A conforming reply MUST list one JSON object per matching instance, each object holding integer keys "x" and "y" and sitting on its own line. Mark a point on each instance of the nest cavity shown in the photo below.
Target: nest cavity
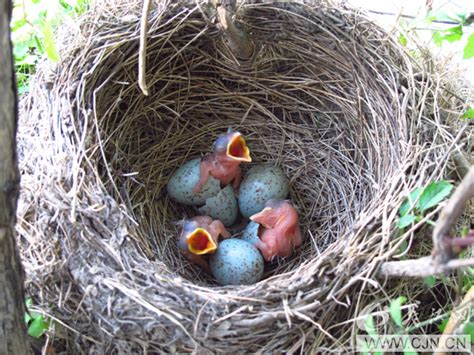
{"x": 327, "y": 95}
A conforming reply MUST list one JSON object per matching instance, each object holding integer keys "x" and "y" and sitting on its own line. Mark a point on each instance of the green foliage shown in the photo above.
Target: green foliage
{"x": 433, "y": 194}
{"x": 461, "y": 29}
{"x": 33, "y": 26}
{"x": 454, "y": 33}
{"x": 451, "y": 35}
{"x": 420, "y": 200}
{"x": 402, "y": 39}
{"x": 469, "y": 49}
{"x": 37, "y": 324}
{"x": 396, "y": 311}
{"x": 442, "y": 325}
{"x": 469, "y": 330}
{"x": 370, "y": 328}
{"x": 467, "y": 278}
{"x": 468, "y": 114}
{"x": 430, "y": 281}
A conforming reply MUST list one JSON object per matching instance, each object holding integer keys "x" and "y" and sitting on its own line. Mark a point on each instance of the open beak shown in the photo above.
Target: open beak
{"x": 237, "y": 149}
{"x": 200, "y": 242}
{"x": 262, "y": 217}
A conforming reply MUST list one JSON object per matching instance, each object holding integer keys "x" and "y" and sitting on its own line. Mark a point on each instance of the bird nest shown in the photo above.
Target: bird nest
{"x": 327, "y": 95}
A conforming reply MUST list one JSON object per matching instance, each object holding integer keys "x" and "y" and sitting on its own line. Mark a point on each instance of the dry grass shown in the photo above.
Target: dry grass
{"x": 352, "y": 119}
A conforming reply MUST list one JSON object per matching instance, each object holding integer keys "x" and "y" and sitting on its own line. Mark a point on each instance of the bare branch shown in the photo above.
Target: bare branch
{"x": 421, "y": 267}
{"x": 450, "y": 213}
{"x": 439, "y": 262}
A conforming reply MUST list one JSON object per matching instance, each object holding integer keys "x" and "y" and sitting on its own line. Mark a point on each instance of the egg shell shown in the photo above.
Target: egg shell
{"x": 180, "y": 186}
{"x": 261, "y": 183}
{"x": 236, "y": 262}
{"x": 250, "y": 233}
{"x": 222, "y": 207}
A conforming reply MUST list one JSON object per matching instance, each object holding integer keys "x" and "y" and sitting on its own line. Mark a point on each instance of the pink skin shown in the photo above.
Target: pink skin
{"x": 222, "y": 168}
{"x": 214, "y": 227}
{"x": 281, "y": 232}
{"x": 221, "y": 165}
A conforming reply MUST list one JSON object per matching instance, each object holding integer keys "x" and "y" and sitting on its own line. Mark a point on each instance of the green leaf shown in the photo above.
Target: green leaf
{"x": 370, "y": 326}
{"x": 453, "y": 34}
{"x": 28, "y": 302}
{"x": 442, "y": 325}
{"x": 437, "y": 38}
{"x": 39, "y": 45}
{"x": 406, "y": 220}
{"x": 430, "y": 281}
{"x": 20, "y": 50}
{"x": 410, "y": 201}
{"x": 17, "y": 24}
{"x": 28, "y": 61}
{"x": 49, "y": 46}
{"x": 469, "y": 330}
{"x": 27, "y": 318}
{"x": 37, "y": 327}
{"x": 395, "y": 310}
{"x": 433, "y": 194}
{"x": 468, "y": 114}
{"x": 469, "y": 49}
{"x": 464, "y": 231}
{"x": 402, "y": 39}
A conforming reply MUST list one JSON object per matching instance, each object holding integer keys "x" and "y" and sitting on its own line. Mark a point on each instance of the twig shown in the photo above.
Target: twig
{"x": 142, "y": 49}
{"x": 238, "y": 39}
{"x": 450, "y": 213}
{"x": 439, "y": 262}
{"x": 421, "y": 267}
{"x": 455, "y": 320}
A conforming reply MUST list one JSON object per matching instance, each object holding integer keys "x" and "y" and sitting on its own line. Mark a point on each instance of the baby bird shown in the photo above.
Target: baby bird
{"x": 199, "y": 236}
{"x": 281, "y": 231}
{"x": 224, "y": 163}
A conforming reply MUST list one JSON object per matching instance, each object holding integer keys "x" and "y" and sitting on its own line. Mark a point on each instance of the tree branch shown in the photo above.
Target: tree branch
{"x": 13, "y": 336}
{"x": 440, "y": 260}
{"x": 449, "y": 214}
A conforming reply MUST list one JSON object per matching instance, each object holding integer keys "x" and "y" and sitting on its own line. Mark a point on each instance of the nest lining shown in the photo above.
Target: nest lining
{"x": 328, "y": 96}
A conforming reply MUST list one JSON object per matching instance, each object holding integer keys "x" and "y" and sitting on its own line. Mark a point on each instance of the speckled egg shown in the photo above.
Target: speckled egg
{"x": 181, "y": 185}
{"x": 261, "y": 183}
{"x": 222, "y": 207}
{"x": 236, "y": 262}
{"x": 250, "y": 233}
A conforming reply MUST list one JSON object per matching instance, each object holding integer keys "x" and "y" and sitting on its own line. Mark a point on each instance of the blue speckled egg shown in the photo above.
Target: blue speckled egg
{"x": 250, "y": 233}
{"x": 261, "y": 183}
{"x": 181, "y": 185}
{"x": 236, "y": 262}
{"x": 222, "y": 207}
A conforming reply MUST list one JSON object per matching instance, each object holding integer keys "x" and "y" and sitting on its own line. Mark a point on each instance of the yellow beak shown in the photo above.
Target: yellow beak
{"x": 200, "y": 242}
{"x": 261, "y": 217}
{"x": 237, "y": 149}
